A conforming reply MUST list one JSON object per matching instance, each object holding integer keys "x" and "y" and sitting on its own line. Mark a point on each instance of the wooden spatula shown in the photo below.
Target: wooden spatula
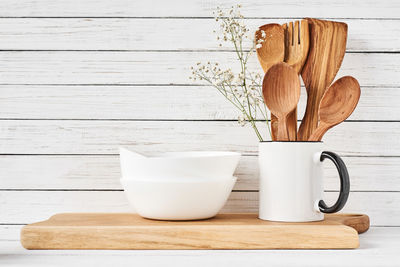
{"x": 296, "y": 49}
{"x": 327, "y": 49}
{"x": 337, "y": 104}
{"x": 281, "y": 91}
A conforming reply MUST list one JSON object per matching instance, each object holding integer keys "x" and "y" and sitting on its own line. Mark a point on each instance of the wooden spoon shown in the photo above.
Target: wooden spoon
{"x": 281, "y": 91}
{"x": 337, "y": 104}
{"x": 327, "y": 49}
{"x": 296, "y": 50}
{"x": 271, "y": 52}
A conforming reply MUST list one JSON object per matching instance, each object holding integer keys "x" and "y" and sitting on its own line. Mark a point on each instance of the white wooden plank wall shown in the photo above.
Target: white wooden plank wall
{"x": 80, "y": 78}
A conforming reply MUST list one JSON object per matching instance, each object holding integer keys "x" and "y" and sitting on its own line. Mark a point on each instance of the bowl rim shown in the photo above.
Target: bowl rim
{"x": 190, "y": 154}
{"x": 182, "y": 180}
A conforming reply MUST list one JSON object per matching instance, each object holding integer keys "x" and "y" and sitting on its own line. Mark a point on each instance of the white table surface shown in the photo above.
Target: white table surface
{"x": 380, "y": 246}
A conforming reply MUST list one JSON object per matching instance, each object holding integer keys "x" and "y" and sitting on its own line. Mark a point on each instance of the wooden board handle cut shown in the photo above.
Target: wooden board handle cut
{"x": 360, "y": 222}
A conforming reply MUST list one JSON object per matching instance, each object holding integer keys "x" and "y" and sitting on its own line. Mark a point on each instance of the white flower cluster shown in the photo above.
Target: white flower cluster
{"x": 232, "y": 27}
{"x": 243, "y": 90}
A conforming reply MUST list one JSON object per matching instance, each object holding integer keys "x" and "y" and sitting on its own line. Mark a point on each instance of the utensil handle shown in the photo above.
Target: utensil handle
{"x": 274, "y": 127}
{"x": 308, "y": 123}
{"x": 319, "y": 132}
{"x": 282, "y": 133}
{"x": 344, "y": 183}
{"x": 291, "y": 124}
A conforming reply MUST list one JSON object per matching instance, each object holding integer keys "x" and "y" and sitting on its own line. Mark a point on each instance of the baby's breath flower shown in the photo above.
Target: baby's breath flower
{"x": 242, "y": 120}
{"x": 243, "y": 89}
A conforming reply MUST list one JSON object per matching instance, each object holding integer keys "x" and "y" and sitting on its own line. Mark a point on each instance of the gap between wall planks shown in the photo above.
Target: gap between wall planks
{"x": 116, "y": 102}
{"x": 373, "y": 55}
{"x": 104, "y": 137}
{"x": 196, "y": 8}
{"x": 139, "y": 68}
{"x": 102, "y": 173}
{"x": 132, "y": 34}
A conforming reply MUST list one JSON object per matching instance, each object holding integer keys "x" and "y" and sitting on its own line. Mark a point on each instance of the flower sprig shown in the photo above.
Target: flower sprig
{"x": 243, "y": 89}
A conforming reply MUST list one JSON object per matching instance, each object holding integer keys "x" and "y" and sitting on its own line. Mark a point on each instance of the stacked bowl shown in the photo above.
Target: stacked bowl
{"x": 178, "y": 185}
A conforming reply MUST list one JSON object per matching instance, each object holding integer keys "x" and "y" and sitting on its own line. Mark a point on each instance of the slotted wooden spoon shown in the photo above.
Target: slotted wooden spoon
{"x": 281, "y": 91}
{"x": 296, "y": 49}
{"x": 337, "y": 104}
{"x": 327, "y": 49}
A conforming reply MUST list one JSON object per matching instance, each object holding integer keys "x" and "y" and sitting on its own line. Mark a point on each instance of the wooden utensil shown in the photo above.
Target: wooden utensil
{"x": 327, "y": 49}
{"x": 272, "y": 50}
{"x": 281, "y": 91}
{"x": 337, "y": 104}
{"x": 296, "y": 50}
{"x": 225, "y": 231}
{"x": 297, "y": 42}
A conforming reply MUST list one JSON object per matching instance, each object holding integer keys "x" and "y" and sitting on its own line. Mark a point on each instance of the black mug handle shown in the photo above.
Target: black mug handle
{"x": 344, "y": 183}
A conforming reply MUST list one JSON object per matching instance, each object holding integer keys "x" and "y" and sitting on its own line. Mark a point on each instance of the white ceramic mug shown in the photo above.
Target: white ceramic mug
{"x": 291, "y": 185}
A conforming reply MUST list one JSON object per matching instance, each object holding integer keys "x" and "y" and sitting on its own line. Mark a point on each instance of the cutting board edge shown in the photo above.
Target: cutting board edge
{"x": 266, "y": 237}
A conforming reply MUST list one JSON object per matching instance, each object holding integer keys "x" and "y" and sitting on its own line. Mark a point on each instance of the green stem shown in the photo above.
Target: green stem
{"x": 223, "y": 88}
{"x": 249, "y": 118}
{"x": 225, "y": 95}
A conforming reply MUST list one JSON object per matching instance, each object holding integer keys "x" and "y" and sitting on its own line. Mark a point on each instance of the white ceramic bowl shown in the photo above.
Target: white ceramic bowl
{"x": 178, "y": 199}
{"x": 202, "y": 164}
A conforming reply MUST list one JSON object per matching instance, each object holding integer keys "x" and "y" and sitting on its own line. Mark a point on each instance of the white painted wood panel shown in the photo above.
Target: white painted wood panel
{"x": 104, "y": 137}
{"x": 103, "y": 173}
{"x": 167, "y": 102}
{"x": 9, "y": 233}
{"x": 60, "y": 67}
{"x": 378, "y": 247}
{"x": 116, "y": 102}
{"x": 144, "y": 34}
{"x": 199, "y": 8}
{"x": 31, "y": 206}
{"x": 155, "y": 43}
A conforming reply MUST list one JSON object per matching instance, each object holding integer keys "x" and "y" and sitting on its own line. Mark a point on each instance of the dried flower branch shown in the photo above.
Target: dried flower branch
{"x": 243, "y": 90}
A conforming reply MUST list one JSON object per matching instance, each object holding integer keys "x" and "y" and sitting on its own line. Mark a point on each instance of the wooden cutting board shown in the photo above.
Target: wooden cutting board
{"x": 225, "y": 231}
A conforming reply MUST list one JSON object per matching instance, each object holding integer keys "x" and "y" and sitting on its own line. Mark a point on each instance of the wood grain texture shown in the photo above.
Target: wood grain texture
{"x": 132, "y": 34}
{"x": 94, "y": 68}
{"x": 297, "y": 41}
{"x": 272, "y": 50}
{"x": 196, "y": 8}
{"x": 104, "y": 137}
{"x": 167, "y": 102}
{"x": 327, "y": 49}
{"x": 281, "y": 92}
{"x": 30, "y": 206}
{"x": 103, "y": 173}
{"x": 378, "y": 247}
{"x": 337, "y": 104}
{"x": 225, "y": 231}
